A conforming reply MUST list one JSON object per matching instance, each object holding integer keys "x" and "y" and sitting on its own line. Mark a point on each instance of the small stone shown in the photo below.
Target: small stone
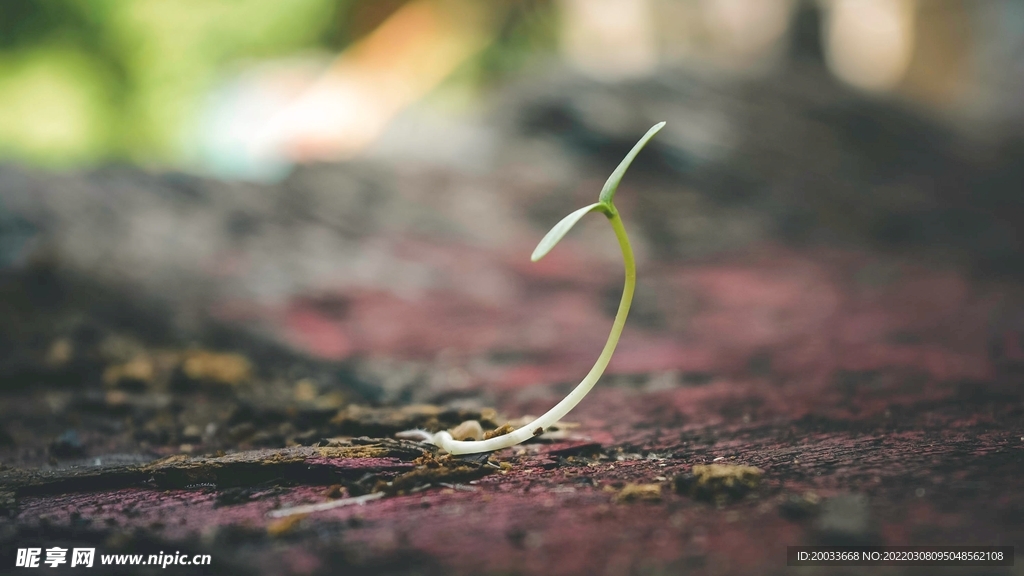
{"x": 468, "y": 430}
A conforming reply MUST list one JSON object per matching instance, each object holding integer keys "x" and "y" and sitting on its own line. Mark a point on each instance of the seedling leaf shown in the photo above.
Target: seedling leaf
{"x": 444, "y": 438}
{"x": 613, "y": 181}
{"x": 560, "y": 229}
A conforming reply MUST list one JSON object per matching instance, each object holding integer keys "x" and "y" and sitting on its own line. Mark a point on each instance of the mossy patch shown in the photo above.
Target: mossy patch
{"x": 718, "y": 483}
{"x": 639, "y": 492}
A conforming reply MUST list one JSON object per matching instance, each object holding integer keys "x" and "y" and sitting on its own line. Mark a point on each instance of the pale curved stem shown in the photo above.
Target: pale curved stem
{"x": 445, "y": 441}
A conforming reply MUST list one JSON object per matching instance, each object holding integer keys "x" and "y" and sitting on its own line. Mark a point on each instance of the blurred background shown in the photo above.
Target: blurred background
{"x": 231, "y": 88}
{"x": 357, "y": 184}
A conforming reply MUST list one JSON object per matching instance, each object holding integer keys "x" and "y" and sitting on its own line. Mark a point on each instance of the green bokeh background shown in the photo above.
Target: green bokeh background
{"x": 83, "y": 82}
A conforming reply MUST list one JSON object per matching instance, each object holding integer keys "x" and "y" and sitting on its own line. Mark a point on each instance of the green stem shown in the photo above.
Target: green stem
{"x": 445, "y": 441}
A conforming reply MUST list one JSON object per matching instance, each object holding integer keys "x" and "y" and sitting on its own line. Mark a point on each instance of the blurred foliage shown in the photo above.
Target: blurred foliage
{"x": 124, "y": 79}
{"x": 118, "y": 78}
{"x": 524, "y": 29}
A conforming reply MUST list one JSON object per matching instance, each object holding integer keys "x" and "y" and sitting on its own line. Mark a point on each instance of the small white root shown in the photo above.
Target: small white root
{"x": 416, "y": 435}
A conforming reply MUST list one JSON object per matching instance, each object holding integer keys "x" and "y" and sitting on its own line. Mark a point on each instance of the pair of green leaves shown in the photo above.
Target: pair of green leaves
{"x": 604, "y": 203}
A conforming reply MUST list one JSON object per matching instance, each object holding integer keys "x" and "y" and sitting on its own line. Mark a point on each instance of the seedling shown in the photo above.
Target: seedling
{"x": 604, "y": 205}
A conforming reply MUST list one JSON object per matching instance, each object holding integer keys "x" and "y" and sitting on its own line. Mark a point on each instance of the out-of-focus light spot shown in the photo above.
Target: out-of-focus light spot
{"x": 869, "y": 43}
{"x": 235, "y": 113}
{"x": 346, "y": 109}
{"x": 746, "y": 30}
{"x": 258, "y": 125}
{"x": 51, "y": 107}
{"x": 609, "y": 39}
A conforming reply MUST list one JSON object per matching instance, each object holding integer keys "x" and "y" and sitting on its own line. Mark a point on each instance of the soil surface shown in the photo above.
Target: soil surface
{"x": 184, "y": 361}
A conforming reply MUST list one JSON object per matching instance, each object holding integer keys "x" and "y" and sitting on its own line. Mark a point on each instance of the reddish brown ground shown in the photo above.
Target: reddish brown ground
{"x": 180, "y": 356}
{"x": 880, "y": 398}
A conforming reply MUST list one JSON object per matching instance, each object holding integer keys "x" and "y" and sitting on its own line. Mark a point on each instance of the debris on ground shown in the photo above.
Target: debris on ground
{"x": 639, "y": 492}
{"x": 719, "y": 483}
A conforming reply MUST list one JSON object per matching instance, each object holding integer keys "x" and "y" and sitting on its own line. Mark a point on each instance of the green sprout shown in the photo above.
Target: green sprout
{"x": 604, "y": 205}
